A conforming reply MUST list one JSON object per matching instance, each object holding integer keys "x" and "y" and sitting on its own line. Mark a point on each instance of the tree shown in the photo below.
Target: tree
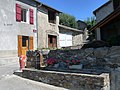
{"x": 68, "y": 20}
{"x": 91, "y": 21}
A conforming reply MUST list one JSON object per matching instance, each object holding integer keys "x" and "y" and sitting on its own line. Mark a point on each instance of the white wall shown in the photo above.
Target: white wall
{"x": 10, "y": 28}
{"x": 65, "y": 39}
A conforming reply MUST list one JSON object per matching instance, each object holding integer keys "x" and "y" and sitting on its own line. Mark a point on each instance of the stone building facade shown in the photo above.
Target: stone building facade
{"x": 48, "y": 31}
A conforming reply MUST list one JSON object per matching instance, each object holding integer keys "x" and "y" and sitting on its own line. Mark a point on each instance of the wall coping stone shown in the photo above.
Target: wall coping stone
{"x": 81, "y": 74}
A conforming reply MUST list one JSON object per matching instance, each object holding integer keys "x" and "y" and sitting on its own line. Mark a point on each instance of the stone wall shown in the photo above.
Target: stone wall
{"x": 72, "y": 81}
{"x": 103, "y": 58}
{"x": 97, "y": 60}
{"x": 107, "y": 56}
{"x": 77, "y": 39}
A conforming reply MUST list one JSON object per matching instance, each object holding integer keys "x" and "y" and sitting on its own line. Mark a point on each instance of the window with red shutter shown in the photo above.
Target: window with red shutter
{"x": 18, "y": 12}
{"x": 31, "y": 16}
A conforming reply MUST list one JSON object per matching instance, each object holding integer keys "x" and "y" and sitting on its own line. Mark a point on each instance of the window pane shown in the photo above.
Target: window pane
{"x": 23, "y": 14}
{"x": 24, "y": 41}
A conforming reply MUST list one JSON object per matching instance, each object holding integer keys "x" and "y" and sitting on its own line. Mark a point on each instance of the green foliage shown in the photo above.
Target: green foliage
{"x": 90, "y": 21}
{"x": 68, "y": 20}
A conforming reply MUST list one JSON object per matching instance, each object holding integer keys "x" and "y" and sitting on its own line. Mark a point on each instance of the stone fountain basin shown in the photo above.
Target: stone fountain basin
{"x": 74, "y": 80}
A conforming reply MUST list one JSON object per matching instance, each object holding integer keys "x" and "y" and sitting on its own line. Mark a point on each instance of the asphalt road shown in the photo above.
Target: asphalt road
{"x": 8, "y": 81}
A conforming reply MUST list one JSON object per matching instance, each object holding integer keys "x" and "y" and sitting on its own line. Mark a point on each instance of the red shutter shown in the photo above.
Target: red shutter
{"x": 31, "y": 17}
{"x": 18, "y": 12}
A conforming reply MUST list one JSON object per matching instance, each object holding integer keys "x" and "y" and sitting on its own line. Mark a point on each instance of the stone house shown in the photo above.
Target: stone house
{"x": 48, "y": 31}
{"x": 108, "y": 20}
{"x": 18, "y": 23}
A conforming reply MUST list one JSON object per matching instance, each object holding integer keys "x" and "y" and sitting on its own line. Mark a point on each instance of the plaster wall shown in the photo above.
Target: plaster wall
{"x": 45, "y": 28}
{"x": 10, "y": 28}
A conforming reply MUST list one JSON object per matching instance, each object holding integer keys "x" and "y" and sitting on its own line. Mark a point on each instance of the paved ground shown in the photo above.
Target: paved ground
{"x": 16, "y": 83}
{"x": 8, "y": 69}
{"x": 8, "y": 81}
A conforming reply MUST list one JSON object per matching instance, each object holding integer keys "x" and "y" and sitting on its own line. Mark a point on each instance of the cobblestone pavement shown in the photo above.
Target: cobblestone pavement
{"x": 8, "y": 81}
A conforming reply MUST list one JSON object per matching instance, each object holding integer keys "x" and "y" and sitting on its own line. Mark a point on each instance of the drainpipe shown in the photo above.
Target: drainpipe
{"x": 38, "y": 6}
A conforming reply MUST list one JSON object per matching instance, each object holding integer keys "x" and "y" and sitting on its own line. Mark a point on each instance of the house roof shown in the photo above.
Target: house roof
{"x": 106, "y": 20}
{"x": 69, "y": 28}
{"x": 94, "y": 12}
{"x": 41, "y": 4}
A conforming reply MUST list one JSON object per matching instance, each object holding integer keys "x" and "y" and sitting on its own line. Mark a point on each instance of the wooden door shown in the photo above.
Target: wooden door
{"x": 25, "y": 43}
{"x": 52, "y": 41}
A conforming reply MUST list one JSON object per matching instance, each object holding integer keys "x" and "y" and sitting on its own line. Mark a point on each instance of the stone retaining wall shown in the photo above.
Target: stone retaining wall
{"x": 72, "y": 81}
{"x": 105, "y": 58}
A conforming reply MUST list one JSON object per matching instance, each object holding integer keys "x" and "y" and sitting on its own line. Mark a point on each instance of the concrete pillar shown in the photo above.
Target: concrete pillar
{"x": 98, "y": 34}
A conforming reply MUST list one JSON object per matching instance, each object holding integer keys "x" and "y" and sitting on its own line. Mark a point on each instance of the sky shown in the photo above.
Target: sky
{"x": 81, "y": 9}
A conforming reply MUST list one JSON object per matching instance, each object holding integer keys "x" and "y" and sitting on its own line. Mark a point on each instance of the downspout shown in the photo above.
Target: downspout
{"x": 38, "y": 6}
{"x": 37, "y": 25}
